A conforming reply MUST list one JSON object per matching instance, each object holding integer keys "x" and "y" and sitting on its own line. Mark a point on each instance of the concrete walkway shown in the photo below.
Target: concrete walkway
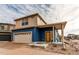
{"x": 10, "y": 48}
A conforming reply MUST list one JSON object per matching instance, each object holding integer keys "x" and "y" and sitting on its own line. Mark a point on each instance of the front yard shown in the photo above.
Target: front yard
{"x": 10, "y": 48}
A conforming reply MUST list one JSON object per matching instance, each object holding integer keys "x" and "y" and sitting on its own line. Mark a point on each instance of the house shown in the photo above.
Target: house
{"x": 73, "y": 36}
{"x": 5, "y": 31}
{"x": 33, "y": 28}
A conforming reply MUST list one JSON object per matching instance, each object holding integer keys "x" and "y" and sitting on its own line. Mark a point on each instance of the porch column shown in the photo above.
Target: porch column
{"x": 53, "y": 33}
{"x": 62, "y": 35}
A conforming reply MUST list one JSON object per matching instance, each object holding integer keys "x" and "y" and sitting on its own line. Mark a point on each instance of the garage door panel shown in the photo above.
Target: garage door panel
{"x": 5, "y": 37}
{"x": 23, "y": 37}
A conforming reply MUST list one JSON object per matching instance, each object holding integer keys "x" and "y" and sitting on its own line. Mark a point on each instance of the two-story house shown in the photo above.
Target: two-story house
{"x": 33, "y": 28}
{"x": 5, "y": 31}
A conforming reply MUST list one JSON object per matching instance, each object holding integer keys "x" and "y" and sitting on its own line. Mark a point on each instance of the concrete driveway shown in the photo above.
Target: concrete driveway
{"x": 10, "y": 48}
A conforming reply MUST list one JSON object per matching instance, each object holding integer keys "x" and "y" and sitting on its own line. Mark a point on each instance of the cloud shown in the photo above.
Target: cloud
{"x": 50, "y": 12}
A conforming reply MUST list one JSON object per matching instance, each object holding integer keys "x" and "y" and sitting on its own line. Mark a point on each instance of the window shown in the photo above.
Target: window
{"x": 2, "y": 27}
{"x": 24, "y": 22}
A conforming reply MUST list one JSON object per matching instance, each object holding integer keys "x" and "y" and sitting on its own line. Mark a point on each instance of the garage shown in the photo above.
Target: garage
{"x": 23, "y": 37}
{"x": 5, "y": 36}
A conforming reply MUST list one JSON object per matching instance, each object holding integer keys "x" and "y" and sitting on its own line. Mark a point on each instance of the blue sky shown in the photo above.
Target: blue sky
{"x": 50, "y": 13}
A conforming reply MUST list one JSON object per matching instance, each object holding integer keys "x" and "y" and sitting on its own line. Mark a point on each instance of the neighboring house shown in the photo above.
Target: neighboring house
{"x": 5, "y": 31}
{"x": 73, "y": 36}
{"x": 33, "y": 28}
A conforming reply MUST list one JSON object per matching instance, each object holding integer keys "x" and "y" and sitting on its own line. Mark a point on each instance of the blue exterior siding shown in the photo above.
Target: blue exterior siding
{"x": 22, "y": 30}
{"x": 33, "y": 30}
{"x": 35, "y": 35}
{"x": 42, "y": 33}
{"x": 38, "y": 34}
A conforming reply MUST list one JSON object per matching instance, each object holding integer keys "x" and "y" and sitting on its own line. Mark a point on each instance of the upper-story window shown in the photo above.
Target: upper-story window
{"x": 2, "y": 27}
{"x": 24, "y": 22}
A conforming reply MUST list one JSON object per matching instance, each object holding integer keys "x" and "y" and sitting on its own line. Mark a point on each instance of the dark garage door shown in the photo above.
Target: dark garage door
{"x": 5, "y": 37}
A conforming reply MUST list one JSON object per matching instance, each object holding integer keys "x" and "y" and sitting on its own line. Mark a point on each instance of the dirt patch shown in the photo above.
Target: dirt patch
{"x": 10, "y": 48}
{"x": 71, "y": 49}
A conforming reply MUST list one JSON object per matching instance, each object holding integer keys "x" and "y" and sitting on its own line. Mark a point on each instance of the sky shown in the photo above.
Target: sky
{"x": 51, "y": 13}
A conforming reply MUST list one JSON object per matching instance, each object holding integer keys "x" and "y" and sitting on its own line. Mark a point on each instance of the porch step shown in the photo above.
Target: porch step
{"x": 39, "y": 44}
{"x": 58, "y": 43}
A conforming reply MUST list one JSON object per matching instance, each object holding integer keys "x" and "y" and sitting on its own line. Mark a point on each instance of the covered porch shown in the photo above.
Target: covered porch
{"x": 49, "y": 33}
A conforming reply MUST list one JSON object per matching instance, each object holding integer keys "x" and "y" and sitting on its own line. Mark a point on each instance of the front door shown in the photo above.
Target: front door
{"x": 48, "y": 36}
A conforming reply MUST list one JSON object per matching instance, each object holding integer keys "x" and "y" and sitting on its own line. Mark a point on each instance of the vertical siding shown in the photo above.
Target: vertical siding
{"x": 35, "y": 35}
{"x": 42, "y": 33}
{"x": 38, "y": 34}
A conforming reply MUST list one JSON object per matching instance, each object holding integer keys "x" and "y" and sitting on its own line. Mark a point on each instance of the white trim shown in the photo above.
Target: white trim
{"x": 39, "y": 44}
{"x": 57, "y": 42}
{"x": 21, "y": 32}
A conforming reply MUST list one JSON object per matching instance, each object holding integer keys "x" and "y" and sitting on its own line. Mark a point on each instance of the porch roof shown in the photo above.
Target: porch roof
{"x": 56, "y": 25}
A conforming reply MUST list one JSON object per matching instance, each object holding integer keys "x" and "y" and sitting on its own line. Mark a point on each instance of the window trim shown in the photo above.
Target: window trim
{"x": 24, "y": 22}
{"x": 2, "y": 28}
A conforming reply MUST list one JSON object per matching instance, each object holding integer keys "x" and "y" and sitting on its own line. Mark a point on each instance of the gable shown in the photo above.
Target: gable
{"x": 33, "y": 20}
{"x": 40, "y": 20}
{"x": 36, "y": 14}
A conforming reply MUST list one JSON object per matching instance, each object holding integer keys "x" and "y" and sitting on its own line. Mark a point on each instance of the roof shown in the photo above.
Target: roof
{"x": 30, "y": 16}
{"x": 56, "y": 25}
{"x": 7, "y": 24}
